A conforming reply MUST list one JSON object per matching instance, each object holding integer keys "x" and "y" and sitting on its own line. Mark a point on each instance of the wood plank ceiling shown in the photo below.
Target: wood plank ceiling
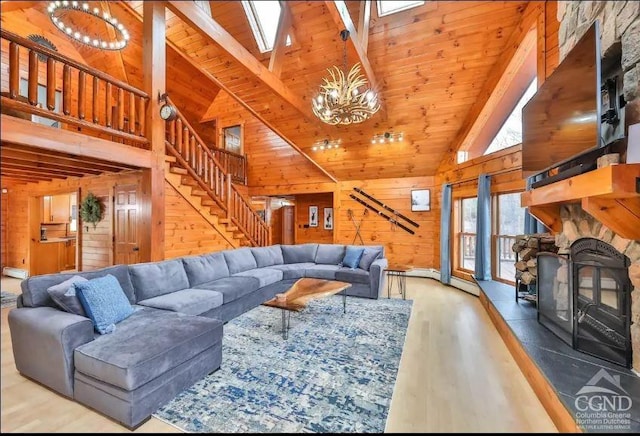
{"x": 430, "y": 63}
{"x": 20, "y": 164}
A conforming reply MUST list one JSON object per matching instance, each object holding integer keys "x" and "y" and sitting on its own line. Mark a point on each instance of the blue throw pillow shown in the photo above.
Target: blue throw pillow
{"x": 352, "y": 257}
{"x": 104, "y": 301}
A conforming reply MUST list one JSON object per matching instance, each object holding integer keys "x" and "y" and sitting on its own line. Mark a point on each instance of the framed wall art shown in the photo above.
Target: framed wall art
{"x": 313, "y": 216}
{"x": 420, "y": 200}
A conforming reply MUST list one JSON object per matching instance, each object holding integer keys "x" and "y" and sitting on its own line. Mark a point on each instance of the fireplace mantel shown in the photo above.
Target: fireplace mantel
{"x": 609, "y": 194}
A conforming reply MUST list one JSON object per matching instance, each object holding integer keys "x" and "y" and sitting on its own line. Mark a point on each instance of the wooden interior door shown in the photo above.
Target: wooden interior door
{"x": 288, "y": 225}
{"x": 125, "y": 222}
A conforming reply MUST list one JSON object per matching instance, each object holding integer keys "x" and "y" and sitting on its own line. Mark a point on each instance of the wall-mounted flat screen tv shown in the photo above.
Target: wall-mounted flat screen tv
{"x": 562, "y": 119}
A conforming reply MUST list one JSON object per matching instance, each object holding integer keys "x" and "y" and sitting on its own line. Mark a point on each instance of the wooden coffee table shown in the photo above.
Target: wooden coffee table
{"x": 302, "y": 292}
{"x": 400, "y": 274}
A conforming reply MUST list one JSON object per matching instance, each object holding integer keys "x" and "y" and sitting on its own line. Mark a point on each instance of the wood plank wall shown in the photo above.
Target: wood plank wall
{"x": 4, "y": 203}
{"x": 551, "y": 36}
{"x": 96, "y": 243}
{"x": 271, "y": 160}
{"x": 312, "y": 234}
{"x": 186, "y": 231}
{"x": 400, "y": 247}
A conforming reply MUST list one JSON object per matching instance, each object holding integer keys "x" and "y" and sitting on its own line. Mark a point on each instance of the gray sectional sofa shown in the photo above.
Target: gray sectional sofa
{"x": 174, "y": 337}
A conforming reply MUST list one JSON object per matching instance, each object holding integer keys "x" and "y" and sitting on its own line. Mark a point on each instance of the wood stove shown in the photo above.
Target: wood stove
{"x": 585, "y": 299}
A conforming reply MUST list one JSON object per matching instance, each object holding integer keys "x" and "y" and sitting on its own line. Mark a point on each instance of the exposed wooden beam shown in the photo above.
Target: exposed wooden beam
{"x": 29, "y": 154}
{"x": 340, "y": 14}
{"x": 27, "y": 175}
{"x": 224, "y": 88}
{"x": 37, "y": 172}
{"x": 363, "y": 23}
{"x": 23, "y": 132}
{"x": 154, "y": 61}
{"x": 279, "y": 46}
{"x": 9, "y": 163}
{"x": 211, "y": 30}
{"x": 112, "y": 34}
{"x": 521, "y": 41}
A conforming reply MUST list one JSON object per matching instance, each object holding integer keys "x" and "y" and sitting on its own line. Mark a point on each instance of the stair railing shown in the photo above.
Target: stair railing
{"x": 196, "y": 158}
{"x": 63, "y": 90}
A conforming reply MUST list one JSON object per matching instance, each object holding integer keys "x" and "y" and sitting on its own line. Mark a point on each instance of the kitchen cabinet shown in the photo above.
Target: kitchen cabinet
{"x": 53, "y": 256}
{"x": 56, "y": 208}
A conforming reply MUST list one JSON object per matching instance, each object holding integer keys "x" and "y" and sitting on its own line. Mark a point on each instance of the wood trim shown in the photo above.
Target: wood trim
{"x": 364, "y": 19}
{"x": 22, "y": 132}
{"x": 340, "y": 14}
{"x": 279, "y": 46}
{"x": 210, "y": 29}
{"x": 303, "y": 188}
{"x": 558, "y": 413}
{"x": 541, "y": 46}
{"x": 520, "y": 42}
{"x": 549, "y": 215}
{"x": 19, "y": 106}
{"x": 614, "y": 181}
{"x": 154, "y": 59}
{"x": 620, "y": 218}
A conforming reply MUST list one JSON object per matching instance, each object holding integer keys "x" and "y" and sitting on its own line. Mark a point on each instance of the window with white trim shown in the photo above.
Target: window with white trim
{"x": 391, "y": 7}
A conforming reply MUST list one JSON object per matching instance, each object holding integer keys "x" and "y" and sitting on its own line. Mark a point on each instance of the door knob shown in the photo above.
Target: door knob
{"x": 136, "y": 248}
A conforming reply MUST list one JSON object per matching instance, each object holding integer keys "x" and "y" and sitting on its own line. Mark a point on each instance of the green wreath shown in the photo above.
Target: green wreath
{"x": 91, "y": 210}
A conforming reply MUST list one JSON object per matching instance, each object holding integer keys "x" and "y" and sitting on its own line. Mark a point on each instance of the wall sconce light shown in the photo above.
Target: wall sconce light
{"x": 387, "y": 137}
{"x": 326, "y": 144}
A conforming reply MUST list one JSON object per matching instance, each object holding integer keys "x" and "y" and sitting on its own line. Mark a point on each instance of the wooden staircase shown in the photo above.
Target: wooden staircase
{"x": 205, "y": 184}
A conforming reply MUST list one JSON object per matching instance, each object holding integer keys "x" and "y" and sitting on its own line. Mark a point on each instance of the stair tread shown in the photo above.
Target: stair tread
{"x": 178, "y": 170}
{"x": 168, "y": 158}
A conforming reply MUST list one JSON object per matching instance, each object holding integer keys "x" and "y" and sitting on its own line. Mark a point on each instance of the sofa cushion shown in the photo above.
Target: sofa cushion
{"x": 145, "y": 346}
{"x": 293, "y": 270}
{"x": 329, "y": 254}
{"x": 265, "y": 276}
{"x": 352, "y": 256}
{"x": 64, "y": 295}
{"x": 187, "y": 301}
{"x": 327, "y": 272}
{"x": 104, "y": 302}
{"x": 299, "y": 253}
{"x": 232, "y": 288}
{"x": 240, "y": 259}
{"x": 158, "y": 278}
{"x": 352, "y": 275}
{"x": 267, "y": 256}
{"x": 34, "y": 289}
{"x": 205, "y": 268}
{"x": 371, "y": 253}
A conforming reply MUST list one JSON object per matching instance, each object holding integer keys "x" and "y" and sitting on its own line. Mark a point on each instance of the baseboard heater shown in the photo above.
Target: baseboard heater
{"x": 18, "y": 273}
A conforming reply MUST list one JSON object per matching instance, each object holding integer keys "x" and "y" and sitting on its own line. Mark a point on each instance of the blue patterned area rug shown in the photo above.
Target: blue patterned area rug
{"x": 7, "y": 299}
{"x": 335, "y": 373}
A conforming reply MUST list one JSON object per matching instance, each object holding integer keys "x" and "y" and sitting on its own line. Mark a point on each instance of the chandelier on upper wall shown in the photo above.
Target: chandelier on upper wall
{"x": 57, "y": 13}
{"x": 345, "y": 99}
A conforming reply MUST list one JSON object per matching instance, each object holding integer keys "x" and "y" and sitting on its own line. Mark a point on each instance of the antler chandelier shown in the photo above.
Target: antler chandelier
{"x": 345, "y": 99}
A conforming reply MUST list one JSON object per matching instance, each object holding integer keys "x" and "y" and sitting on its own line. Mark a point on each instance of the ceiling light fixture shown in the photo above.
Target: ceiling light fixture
{"x": 326, "y": 145}
{"x": 387, "y": 138}
{"x": 345, "y": 99}
{"x": 56, "y": 7}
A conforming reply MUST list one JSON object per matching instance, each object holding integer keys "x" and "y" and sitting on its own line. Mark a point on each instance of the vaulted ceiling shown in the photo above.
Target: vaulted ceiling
{"x": 430, "y": 64}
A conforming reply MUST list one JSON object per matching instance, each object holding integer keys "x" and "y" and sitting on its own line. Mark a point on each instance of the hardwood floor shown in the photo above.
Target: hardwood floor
{"x": 456, "y": 375}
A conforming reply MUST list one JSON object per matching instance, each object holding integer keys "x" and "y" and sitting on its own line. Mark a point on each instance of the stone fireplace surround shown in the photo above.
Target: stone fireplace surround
{"x": 576, "y": 224}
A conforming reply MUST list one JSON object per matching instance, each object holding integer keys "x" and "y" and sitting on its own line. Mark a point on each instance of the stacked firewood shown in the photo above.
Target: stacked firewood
{"x": 527, "y": 247}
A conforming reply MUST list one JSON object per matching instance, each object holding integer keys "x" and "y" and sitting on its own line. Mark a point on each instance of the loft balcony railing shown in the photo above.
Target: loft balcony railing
{"x": 201, "y": 164}
{"x": 46, "y": 84}
{"x": 233, "y": 163}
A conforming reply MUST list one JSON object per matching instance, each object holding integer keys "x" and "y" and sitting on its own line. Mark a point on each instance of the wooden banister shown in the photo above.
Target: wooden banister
{"x": 108, "y": 118}
{"x": 201, "y": 163}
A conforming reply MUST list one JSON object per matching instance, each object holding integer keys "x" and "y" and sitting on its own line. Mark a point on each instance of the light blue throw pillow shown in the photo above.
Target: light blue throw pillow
{"x": 104, "y": 301}
{"x": 352, "y": 257}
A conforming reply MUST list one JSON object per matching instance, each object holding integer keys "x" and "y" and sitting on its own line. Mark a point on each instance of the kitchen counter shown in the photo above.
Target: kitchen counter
{"x": 52, "y": 240}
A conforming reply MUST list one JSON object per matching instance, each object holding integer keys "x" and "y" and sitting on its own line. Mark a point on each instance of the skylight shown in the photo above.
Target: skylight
{"x": 393, "y": 6}
{"x": 264, "y": 17}
{"x": 511, "y": 131}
